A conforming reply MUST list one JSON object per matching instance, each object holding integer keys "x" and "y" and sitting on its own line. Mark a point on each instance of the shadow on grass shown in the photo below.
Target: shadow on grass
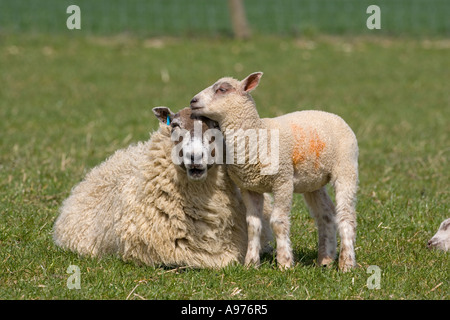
{"x": 304, "y": 257}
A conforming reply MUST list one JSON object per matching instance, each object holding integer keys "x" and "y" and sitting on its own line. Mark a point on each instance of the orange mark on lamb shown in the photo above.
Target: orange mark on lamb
{"x": 306, "y": 147}
{"x": 316, "y": 147}
{"x": 298, "y": 154}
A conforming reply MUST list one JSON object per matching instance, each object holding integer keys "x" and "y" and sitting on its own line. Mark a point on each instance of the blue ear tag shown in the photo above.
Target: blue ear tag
{"x": 168, "y": 121}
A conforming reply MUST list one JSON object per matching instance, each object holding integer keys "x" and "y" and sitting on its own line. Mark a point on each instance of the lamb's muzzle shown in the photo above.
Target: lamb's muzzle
{"x": 193, "y": 101}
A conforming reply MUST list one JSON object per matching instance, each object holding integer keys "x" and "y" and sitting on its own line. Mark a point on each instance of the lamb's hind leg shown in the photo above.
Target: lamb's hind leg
{"x": 254, "y": 203}
{"x": 345, "y": 188}
{"x": 323, "y": 211}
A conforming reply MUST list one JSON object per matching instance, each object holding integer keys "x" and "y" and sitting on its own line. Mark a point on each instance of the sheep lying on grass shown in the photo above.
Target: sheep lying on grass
{"x": 441, "y": 240}
{"x": 141, "y": 206}
{"x": 314, "y": 148}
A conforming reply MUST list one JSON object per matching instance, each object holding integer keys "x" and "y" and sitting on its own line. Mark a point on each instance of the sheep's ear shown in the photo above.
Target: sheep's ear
{"x": 163, "y": 114}
{"x": 251, "y": 82}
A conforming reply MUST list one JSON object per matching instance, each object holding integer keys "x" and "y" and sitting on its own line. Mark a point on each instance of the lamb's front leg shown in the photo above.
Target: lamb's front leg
{"x": 254, "y": 203}
{"x": 280, "y": 223}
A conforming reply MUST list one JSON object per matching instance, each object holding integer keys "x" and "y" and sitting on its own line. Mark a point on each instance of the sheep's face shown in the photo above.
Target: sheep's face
{"x": 216, "y": 102}
{"x": 441, "y": 240}
{"x": 193, "y": 147}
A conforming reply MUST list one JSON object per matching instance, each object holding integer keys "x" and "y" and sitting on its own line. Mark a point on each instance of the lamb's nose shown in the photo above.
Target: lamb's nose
{"x": 194, "y": 100}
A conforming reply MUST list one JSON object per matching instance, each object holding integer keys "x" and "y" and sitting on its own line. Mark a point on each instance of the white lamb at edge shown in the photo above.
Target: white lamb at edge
{"x": 441, "y": 240}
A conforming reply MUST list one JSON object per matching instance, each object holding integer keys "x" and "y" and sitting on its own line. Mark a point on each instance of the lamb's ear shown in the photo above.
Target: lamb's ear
{"x": 251, "y": 82}
{"x": 163, "y": 114}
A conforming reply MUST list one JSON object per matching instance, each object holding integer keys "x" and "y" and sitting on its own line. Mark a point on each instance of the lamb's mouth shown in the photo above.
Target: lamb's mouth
{"x": 195, "y": 108}
{"x": 196, "y": 173}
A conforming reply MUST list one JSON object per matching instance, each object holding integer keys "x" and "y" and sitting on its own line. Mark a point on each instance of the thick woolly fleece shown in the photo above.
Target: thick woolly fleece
{"x": 140, "y": 206}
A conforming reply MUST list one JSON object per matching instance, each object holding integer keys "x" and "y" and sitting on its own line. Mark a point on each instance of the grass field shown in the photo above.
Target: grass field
{"x": 68, "y": 102}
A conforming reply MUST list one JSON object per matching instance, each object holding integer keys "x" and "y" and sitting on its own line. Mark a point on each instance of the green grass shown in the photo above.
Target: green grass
{"x": 68, "y": 102}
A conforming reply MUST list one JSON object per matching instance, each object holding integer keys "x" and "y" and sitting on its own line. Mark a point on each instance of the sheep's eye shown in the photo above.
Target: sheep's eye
{"x": 222, "y": 90}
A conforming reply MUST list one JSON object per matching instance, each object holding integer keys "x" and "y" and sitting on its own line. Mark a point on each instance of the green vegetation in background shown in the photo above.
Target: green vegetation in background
{"x": 211, "y": 17}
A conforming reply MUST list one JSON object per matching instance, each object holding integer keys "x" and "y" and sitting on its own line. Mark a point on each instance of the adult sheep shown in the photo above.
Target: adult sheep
{"x": 313, "y": 148}
{"x": 141, "y": 206}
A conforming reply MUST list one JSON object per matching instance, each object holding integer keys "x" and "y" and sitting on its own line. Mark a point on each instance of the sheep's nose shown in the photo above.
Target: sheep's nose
{"x": 430, "y": 244}
{"x": 194, "y": 157}
{"x": 194, "y": 100}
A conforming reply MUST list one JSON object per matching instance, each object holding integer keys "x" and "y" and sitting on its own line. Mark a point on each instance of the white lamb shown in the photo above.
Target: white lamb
{"x": 441, "y": 240}
{"x": 141, "y": 206}
{"x": 314, "y": 148}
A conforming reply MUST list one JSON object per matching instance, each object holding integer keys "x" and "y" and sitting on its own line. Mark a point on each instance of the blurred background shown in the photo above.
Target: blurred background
{"x": 212, "y": 17}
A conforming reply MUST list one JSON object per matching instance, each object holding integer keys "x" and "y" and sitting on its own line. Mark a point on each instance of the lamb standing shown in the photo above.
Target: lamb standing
{"x": 314, "y": 148}
{"x": 141, "y": 206}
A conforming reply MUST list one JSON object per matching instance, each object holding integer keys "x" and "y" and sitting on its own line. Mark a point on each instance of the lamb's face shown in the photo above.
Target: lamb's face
{"x": 189, "y": 132}
{"x": 216, "y": 101}
{"x": 441, "y": 240}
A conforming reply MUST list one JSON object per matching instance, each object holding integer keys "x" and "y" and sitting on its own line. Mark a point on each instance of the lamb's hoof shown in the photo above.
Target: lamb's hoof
{"x": 285, "y": 262}
{"x": 251, "y": 262}
{"x": 346, "y": 266}
{"x": 325, "y": 262}
{"x": 284, "y": 267}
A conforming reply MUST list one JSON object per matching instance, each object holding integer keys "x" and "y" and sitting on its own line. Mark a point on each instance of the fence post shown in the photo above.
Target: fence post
{"x": 238, "y": 19}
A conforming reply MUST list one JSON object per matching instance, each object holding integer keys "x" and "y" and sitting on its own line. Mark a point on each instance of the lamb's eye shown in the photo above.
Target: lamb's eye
{"x": 221, "y": 90}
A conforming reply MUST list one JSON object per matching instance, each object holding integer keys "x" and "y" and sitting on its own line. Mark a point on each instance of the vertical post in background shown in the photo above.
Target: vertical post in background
{"x": 238, "y": 19}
